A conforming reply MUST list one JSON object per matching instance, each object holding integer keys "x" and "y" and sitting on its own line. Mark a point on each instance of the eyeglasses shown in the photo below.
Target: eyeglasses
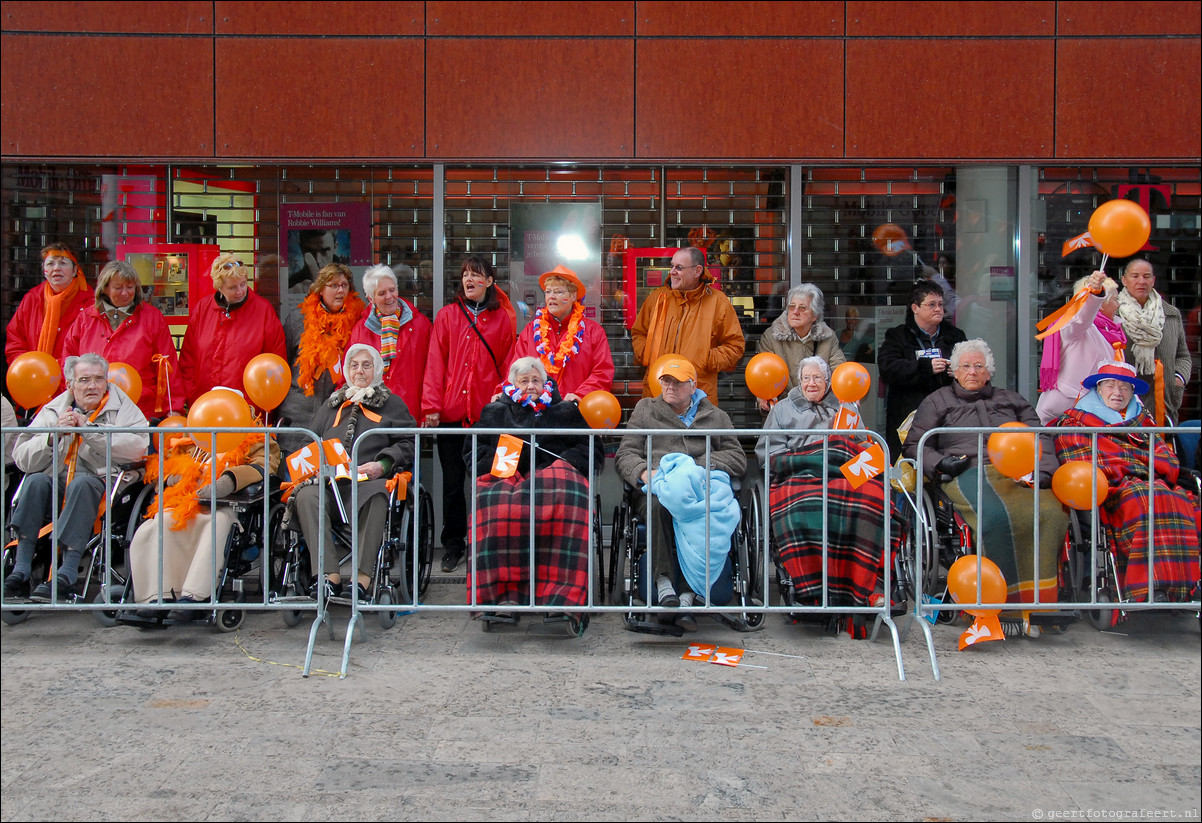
{"x": 88, "y": 379}
{"x": 931, "y": 306}
{"x": 813, "y": 378}
{"x": 232, "y": 264}
{"x": 338, "y": 286}
{"x": 676, "y": 267}
{"x": 557, "y": 292}
{"x": 798, "y": 309}
{"x": 972, "y": 367}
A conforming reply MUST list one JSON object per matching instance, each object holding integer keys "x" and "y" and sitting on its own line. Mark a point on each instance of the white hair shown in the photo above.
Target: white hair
{"x": 815, "y": 360}
{"x": 87, "y": 357}
{"x": 975, "y": 345}
{"x": 525, "y": 365}
{"x": 373, "y": 276}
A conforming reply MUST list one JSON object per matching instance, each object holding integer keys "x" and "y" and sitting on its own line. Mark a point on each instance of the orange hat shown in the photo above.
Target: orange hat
{"x": 563, "y": 272}
{"x": 677, "y": 368}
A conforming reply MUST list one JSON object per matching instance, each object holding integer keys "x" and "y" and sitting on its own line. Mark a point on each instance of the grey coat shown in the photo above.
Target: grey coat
{"x": 791, "y": 419}
{"x": 654, "y": 413}
{"x": 780, "y": 338}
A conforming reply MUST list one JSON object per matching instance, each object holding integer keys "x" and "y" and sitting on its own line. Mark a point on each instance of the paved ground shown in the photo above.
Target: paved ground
{"x": 438, "y": 720}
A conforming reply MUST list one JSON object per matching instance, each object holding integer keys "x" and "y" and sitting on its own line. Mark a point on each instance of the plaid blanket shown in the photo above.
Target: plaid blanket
{"x": 1005, "y": 531}
{"x": 1176, "y": 520}
{"x": 854, "y": 520}
{"x": 502, "y": 530}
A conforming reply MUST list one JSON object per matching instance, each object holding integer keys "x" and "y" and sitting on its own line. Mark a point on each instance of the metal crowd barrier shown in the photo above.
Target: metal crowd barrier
{"x": 927, "y": 610}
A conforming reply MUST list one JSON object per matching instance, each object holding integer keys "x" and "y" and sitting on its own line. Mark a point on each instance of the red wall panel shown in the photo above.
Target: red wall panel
{"x": 143, "y": 96}
{"x": 183, "y": 17}
{"x": 530, "y": 19}
{"x": 740, "y": 98}
{"x": 1128, "y": 98}
{"x": 351, "y": 17}
{"x": 822, "y": 18}
{"x": 1127, "y": 19}
{"x": 950, "y": 19}
{"x": 950, "y": 99}
{"x": 530, "y": 98}
{"x": 319, "y": 98}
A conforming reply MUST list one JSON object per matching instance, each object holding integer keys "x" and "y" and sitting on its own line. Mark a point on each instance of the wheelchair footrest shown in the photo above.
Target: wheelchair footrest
{"x": 653, "y": 626}
{"x": 129, "y": 618}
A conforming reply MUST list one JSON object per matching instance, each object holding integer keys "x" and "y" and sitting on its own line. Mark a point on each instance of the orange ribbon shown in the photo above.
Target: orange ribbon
{"x": 1158, "y": 389}
{"x": 1061, "y": 317}
{"x": 399, "y": 483}
{"x": 163, "y": 388}
{"x": 368, "y": 413}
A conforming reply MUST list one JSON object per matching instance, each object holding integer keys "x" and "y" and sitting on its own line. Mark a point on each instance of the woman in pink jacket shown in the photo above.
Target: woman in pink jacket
{"x": 123, "y": 328}
{"x": 1071, "y": 355}
{"x": 472, "y": 337}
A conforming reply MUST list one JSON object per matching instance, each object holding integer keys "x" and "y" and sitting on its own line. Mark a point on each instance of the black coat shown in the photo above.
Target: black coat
{"x": 393, "y": 413}
{"x": 908, "y": 377}
{"x": 518, "y": 419}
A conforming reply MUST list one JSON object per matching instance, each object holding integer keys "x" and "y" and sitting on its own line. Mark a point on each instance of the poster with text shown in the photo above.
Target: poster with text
{"x": 317, "y": 234}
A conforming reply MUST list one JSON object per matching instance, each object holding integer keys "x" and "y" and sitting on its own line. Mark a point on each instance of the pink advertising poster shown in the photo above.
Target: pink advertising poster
{"x": 316, "y": 234}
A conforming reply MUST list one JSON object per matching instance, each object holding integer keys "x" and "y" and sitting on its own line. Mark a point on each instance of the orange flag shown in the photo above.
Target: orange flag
{"x": 864, "y": 466}
{"x": 1081, "y": 241}
{"x": 505, "y": 462}
{"x": 985, "y": 627}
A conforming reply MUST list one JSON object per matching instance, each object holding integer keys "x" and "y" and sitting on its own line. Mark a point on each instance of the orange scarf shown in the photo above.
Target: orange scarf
{"x": 323, "y": 339}
{"x": 73, "y": 449}
{"x": 54, "y": 310}
{"x": 180, "y": 497}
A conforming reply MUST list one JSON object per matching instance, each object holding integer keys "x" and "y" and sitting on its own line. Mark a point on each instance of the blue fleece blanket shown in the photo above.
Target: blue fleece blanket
{"x": 680, "y": 486}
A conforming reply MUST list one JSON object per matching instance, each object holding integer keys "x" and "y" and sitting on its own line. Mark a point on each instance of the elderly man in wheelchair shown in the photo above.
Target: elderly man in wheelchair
{"x": 82, "y": 412}
{"x": 689, "y": 474}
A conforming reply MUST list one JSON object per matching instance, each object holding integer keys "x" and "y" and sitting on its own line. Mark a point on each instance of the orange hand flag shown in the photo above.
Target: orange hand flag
{"x": 509, "y": 450}
{"x": 848, "y": 417}
{"x": 864, "y": 466}
{"x": 985, "y": 627}
{"x": 1081, "y": 241}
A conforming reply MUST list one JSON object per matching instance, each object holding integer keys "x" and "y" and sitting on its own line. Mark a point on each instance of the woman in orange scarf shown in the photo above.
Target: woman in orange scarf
{"x": 48, "y": 310}
{"x": 316, "y": 334}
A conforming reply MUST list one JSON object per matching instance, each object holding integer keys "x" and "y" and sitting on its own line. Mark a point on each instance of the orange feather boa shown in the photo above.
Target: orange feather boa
{"x": 180, "y": 497}
{"x": 324, "y": 338}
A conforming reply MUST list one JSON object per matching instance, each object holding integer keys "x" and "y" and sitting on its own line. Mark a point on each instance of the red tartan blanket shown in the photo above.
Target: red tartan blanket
{"x": 854, "y": 520}
{"x": 1123, "y": 457}
{"x": 502, "y": 530}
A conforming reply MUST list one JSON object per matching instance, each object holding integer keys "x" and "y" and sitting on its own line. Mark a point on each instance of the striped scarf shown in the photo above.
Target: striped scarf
{"x": 390, "y": 327}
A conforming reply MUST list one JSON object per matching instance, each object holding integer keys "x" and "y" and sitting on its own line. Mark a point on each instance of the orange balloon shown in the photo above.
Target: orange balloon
{"x": 174, "y": 421}
{"x": 962, "y": 582}
{"x": 850, "y": 382}
{"x": 890, "y": 239}
{"x": 219, "y": 407}
{"x": 1073, "y": 485}
{"x": 126, "y": 378}
{"x": 767, "y": 375}
{"x": 654, "y": 371}
{"x": 601, "y": 410}
{"x": 1120, "y": 227}
{"x": 1011, "y": 453}
{"x": 267, "y": 379}
{"x": 33, "y": 379}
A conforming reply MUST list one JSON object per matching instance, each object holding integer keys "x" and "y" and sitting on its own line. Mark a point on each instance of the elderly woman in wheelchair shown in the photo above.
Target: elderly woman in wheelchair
{"x": 799, "y": 465}
{"x": 1112, "y": 399}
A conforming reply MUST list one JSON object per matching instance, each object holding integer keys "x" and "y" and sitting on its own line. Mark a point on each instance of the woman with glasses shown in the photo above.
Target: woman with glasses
{"x": 1004, "y": 528}
{"x": 398, "y": 331}
{"x": 124, "y": 328}
{"x": 227, "y": 330}
{"x": 574, "y": 351}
{"x": 914, "y": 358}
{"x": 851, "y": 517}
{"x": 48, "y": 309}
{"x": 800, "y": 333}
{"x": 472, "y": 338}
{"x": 317, "y": 333}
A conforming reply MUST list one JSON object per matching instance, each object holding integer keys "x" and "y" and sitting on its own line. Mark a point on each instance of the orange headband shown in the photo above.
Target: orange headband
{"x": 60, "y": 253}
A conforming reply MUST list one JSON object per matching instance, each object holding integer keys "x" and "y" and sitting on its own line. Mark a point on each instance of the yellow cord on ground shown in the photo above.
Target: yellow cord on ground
{"x": 238, "y": 640}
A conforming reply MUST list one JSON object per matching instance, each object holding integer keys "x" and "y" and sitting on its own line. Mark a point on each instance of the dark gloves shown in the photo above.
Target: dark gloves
{"x": 953, "y": 466}
{"x": 225, "y": 487}
{"x": 1045, "y": 480}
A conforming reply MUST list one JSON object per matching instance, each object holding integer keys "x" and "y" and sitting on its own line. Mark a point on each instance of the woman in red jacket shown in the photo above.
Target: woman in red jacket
{"x": 123, "y": 328}
{"x": 398, "y": 331}
{"x": 48, "y": 309}
{"x": 227, "y": 330}
{"x": 472, "y": 337}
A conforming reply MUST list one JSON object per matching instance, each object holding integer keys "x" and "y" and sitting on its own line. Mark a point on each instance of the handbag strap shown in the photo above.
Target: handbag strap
{"x": 472, "y": 322}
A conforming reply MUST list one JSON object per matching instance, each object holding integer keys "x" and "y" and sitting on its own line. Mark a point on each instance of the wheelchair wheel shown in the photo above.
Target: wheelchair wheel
{"x": 105, "y": 617}
{"x": 292, "y": 617}
{"x": 12, "y": 618}
{"x": 386, "y": 597}
{"x": 425, "y": 541}
{"x": 616, "y": 527}
{"x": 575, "y": 626}
{"x": 599, "y": 552}
{"x": 230, "y": 620}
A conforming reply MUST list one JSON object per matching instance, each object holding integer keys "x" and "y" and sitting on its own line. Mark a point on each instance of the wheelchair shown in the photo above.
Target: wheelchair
{"x": 629, "y": 583}
{"x": 242, "y": 569}
{"x": 392, "y": 584}
{"x": 126, "y": 503}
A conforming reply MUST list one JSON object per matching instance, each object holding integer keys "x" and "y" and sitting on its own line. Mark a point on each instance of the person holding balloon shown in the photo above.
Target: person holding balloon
{"x": 396, "y": 329}
{"x": 352, "y": 413}
{"x": 193, "y": 531}
{"x": 574, "y": 351}
{"x": 123, "y": 328}
{"x": 1155, "y": 335}
{"x": 1071, "y": 353}
{"x": 800, "y": 333}
{"x": 82, "y": 412}
{"x": 853, "y": 515}
{"x": 226, "y": 330}
{"x": 500, "y": 573}
{"x": 47, "y": 311}
{"x": 1004, "y": 527}
{"x": 472, "y": 335}
{"x": 316, "y": 333}
{"x": 1122, "y": 457}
